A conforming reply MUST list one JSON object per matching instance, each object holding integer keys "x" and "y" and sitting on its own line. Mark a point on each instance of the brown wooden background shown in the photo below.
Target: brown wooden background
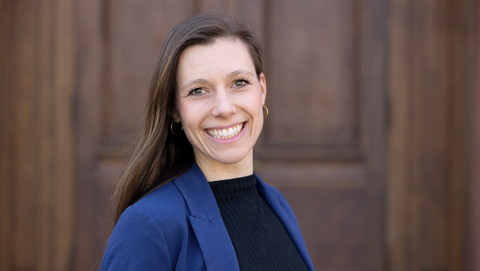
{"x": 372, "y": 134}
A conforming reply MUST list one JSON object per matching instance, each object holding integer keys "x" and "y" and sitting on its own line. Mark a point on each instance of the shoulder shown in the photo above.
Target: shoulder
{"x": 142, "y": 237}
{"x": 164, "y": 207}
{"x": 161, "y": 203}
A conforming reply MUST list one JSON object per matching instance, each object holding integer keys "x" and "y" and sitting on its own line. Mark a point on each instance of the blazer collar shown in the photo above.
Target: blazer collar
{"x": 206, "y": 221}
{"x": 280, "y": 206}
{"x": 197, "y": 194}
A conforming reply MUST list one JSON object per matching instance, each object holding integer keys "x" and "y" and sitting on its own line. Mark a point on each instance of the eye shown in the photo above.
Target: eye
{"x": 240, "y": 83}
{"x": 196, "y": 91}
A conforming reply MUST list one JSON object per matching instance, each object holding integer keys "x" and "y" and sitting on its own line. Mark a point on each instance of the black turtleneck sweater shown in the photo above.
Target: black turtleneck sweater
{"x": 260, "y": 240}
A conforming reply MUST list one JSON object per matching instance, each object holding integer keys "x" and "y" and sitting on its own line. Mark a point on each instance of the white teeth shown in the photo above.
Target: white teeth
{"x": 225, "y": 133}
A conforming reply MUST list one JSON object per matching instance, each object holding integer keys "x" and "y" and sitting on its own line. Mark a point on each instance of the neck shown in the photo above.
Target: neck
{"x": 215, "y": 171}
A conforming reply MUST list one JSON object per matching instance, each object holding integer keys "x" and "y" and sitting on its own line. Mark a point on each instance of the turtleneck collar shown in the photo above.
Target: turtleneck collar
{"x": 233, "y": 189}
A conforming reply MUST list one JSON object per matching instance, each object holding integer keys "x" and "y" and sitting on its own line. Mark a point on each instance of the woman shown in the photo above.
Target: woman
{"x": 189, "y": 199}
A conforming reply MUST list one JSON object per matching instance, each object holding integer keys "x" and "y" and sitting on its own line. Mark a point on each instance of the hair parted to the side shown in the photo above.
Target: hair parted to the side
{"x": 161, "y": 156}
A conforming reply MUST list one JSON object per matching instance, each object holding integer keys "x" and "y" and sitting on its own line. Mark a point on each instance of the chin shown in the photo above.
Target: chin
{"x": 230, "y": 159}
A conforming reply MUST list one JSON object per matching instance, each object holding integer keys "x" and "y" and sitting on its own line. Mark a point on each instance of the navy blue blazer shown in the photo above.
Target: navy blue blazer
{"x": 178, "y": 227}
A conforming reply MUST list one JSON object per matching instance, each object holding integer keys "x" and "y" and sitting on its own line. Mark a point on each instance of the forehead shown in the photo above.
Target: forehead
{"x": 224, "y": 55}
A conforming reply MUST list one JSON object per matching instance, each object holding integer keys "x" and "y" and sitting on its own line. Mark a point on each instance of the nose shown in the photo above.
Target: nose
{"x": 224, "y": 106}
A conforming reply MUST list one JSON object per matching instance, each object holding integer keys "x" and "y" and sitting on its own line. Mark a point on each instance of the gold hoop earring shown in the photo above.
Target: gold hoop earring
{"x": 266, "y": 111}
{"x": 173, "y": 132}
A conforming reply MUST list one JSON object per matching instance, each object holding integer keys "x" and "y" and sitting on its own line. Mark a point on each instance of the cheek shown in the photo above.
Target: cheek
{"x": 187, "y": 118}
{"x": 257, "y": 105}
{"x": 183, "y": 111}
{"x": 190, "y": 117}
{"x": 257, "y": 113}
{"x": 253, "y": 98}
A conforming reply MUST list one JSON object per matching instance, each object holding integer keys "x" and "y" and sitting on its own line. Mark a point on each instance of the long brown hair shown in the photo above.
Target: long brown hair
{"x": 161, "y": 156}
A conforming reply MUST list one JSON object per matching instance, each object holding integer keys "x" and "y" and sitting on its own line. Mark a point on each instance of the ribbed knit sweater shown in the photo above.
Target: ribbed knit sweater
{"x": 260, "y": 240}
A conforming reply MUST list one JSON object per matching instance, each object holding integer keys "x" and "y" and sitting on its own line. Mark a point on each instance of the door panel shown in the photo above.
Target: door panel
{"x": 311, "y": 74}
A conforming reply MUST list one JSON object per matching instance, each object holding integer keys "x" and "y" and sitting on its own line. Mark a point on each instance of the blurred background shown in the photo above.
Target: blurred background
{"x": 373, "y": 133}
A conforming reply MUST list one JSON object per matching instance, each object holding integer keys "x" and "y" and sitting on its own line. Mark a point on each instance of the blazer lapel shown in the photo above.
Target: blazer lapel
{"x": 281, "y": 207}
{"x": 207, "y": 224}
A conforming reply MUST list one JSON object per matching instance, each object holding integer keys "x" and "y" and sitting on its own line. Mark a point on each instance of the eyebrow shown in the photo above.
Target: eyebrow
{"x": 203, "y": 81}
{"x": 237, "y": 72}
{"x": 193, "y": 82}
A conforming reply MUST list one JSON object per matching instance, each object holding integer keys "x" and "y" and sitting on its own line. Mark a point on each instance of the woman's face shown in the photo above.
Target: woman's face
{"x": 219, "y": 102}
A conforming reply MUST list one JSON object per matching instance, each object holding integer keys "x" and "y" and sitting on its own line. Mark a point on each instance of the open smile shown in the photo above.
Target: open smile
{"x": 227, "y": 132}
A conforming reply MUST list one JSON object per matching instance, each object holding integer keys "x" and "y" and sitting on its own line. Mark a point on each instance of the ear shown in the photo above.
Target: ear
{"x": 263, "y": 86}
{"x": 174, "y": 115}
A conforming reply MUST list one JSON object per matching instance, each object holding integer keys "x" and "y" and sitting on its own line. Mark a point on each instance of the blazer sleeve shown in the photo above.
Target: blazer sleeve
{"x": 136, "y": 243}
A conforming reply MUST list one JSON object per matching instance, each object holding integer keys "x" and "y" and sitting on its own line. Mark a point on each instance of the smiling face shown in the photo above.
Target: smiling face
{"x": 219, "y": 100}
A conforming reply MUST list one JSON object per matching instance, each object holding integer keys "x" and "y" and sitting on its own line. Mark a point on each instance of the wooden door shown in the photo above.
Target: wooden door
{"x": 323, "y": 144}
{"x": 73, "y": 84}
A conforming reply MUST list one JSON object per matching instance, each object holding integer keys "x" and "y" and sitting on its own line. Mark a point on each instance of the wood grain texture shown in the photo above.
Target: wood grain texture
{"x": 90, "y": 75}
{"x": 430, "y": 78}
{"x": 37, "y": 222}
{"x": 474, "y": 154}
{"x": 462, "y": 26}
{"x": 63, "y": 137}
{"x": 26, "y": 240}
{"x": 6, "y": 140}
{"x": 398, "y": 173}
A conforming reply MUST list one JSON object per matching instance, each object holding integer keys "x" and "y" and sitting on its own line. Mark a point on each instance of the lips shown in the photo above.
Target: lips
{"x": 225, "y": 133}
